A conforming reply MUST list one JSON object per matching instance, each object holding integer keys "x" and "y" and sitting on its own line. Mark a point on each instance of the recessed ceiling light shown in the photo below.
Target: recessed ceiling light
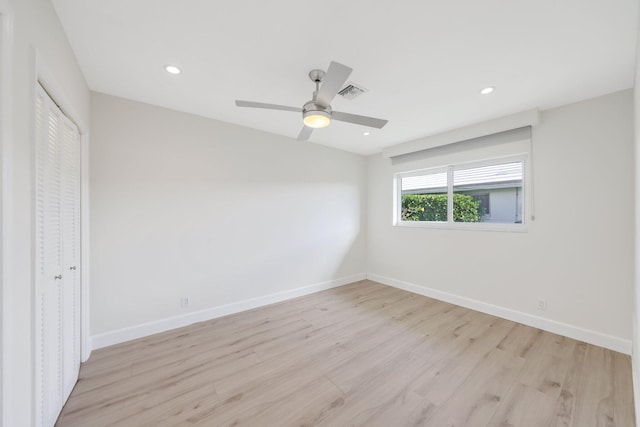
{"x": 487, "y": 90}
{"x": 366, "y": 133}
{"x": 172, "y": 69}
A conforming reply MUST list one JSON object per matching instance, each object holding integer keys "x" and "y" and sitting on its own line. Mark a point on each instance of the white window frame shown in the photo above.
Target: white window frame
{"x": 450, "y": 224}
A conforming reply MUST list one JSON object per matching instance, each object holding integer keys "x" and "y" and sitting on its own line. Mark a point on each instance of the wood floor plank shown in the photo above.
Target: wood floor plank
{"x": 406, "y": 409}
{"x": 594, "y": 401}
{"x": 623, "y": 391}
{"x": 251, "y": 398}
{"x": 547, "y": 364}
{"x": 378, "y": 391}
{"x": 564, "y": 410}
{"x": 356, "y": 371}
{"x": 296, "y": 408}
{"x": 524, "y": 406}
{"x": 363, "y": 354}
{"x": 441, "y": 380}
{"x": 477, "y": 398}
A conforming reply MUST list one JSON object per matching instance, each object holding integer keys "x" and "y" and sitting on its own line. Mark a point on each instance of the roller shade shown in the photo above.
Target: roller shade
{"x": 473, "y": 132}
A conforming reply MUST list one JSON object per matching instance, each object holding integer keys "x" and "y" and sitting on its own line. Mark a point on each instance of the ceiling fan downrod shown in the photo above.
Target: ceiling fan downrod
{"x": 316, "y": 76}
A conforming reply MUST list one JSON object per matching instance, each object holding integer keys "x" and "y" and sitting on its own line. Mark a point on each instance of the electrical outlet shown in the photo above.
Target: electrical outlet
{"x": 184, "y": 301}
{"x": 542, "y": 304}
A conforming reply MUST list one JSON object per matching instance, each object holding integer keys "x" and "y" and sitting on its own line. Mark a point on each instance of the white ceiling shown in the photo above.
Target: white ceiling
{"x": 424, "y": 62}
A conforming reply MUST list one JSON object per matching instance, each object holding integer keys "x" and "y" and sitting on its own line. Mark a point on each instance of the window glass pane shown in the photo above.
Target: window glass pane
{"x": 490, "y": 194}
{"x": 424, "y": 197}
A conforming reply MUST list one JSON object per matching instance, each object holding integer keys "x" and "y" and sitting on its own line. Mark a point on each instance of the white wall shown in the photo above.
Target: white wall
{"x": 35, "y": 29}
{"x": 187, "y": 206}
{"x": 577, "y": 254}
{"x": 635, "y": 360}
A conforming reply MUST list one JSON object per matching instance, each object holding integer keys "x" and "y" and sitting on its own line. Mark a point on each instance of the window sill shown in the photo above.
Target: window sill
{"x": 509, "y": 228}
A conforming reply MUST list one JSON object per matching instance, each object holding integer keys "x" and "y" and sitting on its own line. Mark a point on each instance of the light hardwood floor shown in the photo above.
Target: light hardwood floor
{"x": 362, "y": 354}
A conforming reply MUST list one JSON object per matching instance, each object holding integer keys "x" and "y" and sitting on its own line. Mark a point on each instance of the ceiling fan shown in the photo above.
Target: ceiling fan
{"x": 317, "y": 113}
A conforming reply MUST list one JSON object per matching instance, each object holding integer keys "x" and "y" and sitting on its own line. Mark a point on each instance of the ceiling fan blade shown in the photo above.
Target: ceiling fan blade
{"x": 336, "y": 75}
{"x": 359, "y": 120}
{"x": 305, "y": 133}
{"x": 251, "y": 104}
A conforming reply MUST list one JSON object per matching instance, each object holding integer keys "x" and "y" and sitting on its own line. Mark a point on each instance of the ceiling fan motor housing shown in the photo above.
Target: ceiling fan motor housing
{"x": 312, "y": 106}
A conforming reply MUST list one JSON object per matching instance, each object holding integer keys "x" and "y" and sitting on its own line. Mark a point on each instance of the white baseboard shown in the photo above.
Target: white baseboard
{"x": 636, "y": 391}
{"x": 133, "y": 332}
{"x": 597, "y": 338}
{"x": 635, "y": 368}
{"x": 592, "y": 337}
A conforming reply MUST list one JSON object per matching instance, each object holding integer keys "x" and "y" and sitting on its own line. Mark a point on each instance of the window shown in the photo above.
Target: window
{"x": 485, "y": 194}
{"x": 425, "y": 198}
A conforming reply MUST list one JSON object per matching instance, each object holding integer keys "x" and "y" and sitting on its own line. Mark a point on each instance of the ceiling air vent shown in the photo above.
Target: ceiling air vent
{"x": 352, "y": 91}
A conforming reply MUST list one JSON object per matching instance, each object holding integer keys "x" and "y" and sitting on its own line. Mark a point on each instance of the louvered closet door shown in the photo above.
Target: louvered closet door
{"x": 57, "y": 251}
{"x": 70, "y": 195}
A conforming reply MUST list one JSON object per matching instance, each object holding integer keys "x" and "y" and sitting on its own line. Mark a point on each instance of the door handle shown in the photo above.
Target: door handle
{"x": 72, "y": 268}
{"x": 58, "y": 277}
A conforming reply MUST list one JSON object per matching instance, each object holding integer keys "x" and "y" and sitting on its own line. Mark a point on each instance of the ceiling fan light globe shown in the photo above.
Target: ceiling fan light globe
{"x": 316, "y": 119}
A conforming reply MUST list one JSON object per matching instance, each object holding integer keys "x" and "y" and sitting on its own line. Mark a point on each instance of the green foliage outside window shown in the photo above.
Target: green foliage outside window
{"x": 433, "y": 207}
